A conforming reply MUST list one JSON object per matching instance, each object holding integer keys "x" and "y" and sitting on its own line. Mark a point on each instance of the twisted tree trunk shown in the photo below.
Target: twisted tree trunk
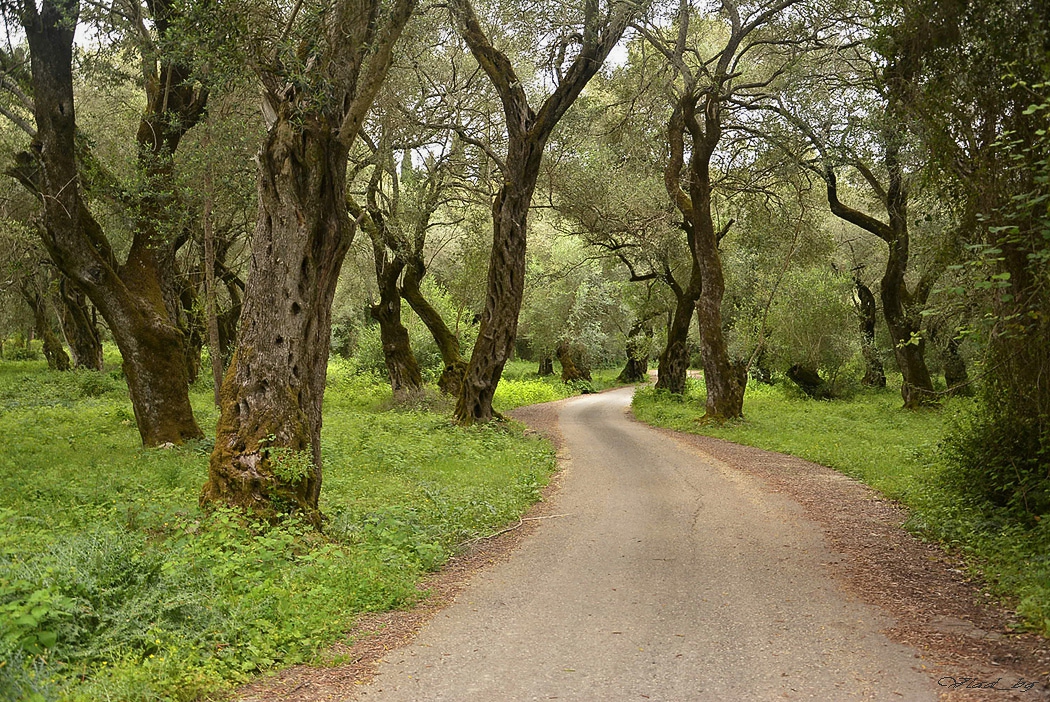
{"x": 638, "y": 340}
{"x": 674, "y": 359}
{"x": 56, "y": 356}
{"x": 267, "y": 455}
{"x": 874, "y": 375}
{"x": 79, "y": 327}
{"x": 128, "y": 296}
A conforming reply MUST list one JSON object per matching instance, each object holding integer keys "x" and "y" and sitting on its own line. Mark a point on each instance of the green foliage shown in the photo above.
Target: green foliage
{"x": 898, "y": 452}
{"x": 1001, "y": 459}
{"x": 520, "y": 385}
{"x": 114, "y": 585}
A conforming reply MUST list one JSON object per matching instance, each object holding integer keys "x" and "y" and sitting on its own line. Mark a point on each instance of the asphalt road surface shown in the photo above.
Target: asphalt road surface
{"x": 671, "y": 577}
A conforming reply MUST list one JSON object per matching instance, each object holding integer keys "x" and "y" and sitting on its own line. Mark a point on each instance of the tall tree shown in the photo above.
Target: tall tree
{"x": 134, "y": 296}
{"x": 321, "y": 66}
{"x": 750, "y": 54}
{"x": 528, "y": 130}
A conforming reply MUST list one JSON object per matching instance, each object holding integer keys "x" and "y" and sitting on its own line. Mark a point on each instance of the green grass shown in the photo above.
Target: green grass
{"x": 521, "y": 385}
{"x": 897, "y": 452}
{"x": 114, "y": 585}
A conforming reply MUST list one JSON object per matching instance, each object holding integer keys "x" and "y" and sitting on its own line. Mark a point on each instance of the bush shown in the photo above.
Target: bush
{"x": 1000, "y": 459}
{"x": 21, "y": 353}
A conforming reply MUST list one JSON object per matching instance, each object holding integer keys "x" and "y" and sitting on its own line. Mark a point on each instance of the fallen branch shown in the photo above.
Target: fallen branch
{"x": 510, "y": 528}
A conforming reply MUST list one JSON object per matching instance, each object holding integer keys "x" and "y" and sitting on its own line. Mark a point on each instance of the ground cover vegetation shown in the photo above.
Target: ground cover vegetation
{"x": 485, "y": 204}
{"x": 114, "y": 584}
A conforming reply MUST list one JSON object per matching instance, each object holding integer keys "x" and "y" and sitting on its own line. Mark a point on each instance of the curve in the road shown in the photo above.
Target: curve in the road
{"x": 671, "y": 578}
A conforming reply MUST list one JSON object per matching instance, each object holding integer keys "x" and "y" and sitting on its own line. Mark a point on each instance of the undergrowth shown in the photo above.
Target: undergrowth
{"x": 902, "y": 455}
{"x": 114, "y": 585}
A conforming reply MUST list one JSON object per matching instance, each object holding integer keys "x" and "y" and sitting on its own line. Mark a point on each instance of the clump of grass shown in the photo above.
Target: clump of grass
{"x": 899, "y": 453}
{"x": 114, "y": 585}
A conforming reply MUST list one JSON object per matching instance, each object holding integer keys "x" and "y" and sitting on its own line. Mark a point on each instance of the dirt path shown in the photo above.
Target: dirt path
{"x": 662, "y": 574}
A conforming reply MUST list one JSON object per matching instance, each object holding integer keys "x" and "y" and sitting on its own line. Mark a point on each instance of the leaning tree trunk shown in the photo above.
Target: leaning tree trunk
{"x": 506, "y": 282}
{"x": 267, "y": 455}
{"x": 79, "y": 327}
{"x": 451, "y": 380}
{"x": 874, "y": 375}
{"x": 128, "y": 297}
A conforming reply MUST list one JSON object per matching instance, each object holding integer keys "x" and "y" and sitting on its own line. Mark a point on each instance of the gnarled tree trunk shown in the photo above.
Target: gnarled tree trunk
{"x": 527, "y": 133}
{"x": 401, "y": 364}
{"x": 451, "y": 380}
{"x": 267, "y": 455}
{"x": 573, "y": 365}
{"x": 874, "y": 375}
{"x": 128, "y": 296}
{"x": 56, "y": 356}
{"x": 725, "y": 378}
{"x": 673, "y": 365}
{"x": 506, "y": 282}
{"x": 638, "y": 340}
{"x": 79, "y": 327}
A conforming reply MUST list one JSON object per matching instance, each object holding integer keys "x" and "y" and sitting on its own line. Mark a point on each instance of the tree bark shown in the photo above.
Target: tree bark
{"x": 955, "y": 375}
{"x": 573, "y": 365}
{"x": 674, "y": 360}
{"x": 546, "y": 367}
{"x": 810, "y": 382}
{"x": 57, "y": 359}
{"x": 270, "y": 403}
{"x": 210, "y": 309}
{"x": 874, "y": 375}
{"x": 79, "y": 328}
{"x": 527, "y": 134}
{"x": 267, "y": 456}
{"x": 128, "y": 296}
{"x": 725, "y": 378}
{"x": 401, "y": 364}
{"x": 451, "y": 380}
{"x": 506, "y": 281}
{"x": 638, "y": 340}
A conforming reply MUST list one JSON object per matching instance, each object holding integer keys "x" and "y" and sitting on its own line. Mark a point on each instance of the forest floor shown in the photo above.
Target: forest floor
{"x": 678, "y": 567}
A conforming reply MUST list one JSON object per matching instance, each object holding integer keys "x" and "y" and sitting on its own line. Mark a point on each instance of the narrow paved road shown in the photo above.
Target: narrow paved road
{"x": 671, "y": 578}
